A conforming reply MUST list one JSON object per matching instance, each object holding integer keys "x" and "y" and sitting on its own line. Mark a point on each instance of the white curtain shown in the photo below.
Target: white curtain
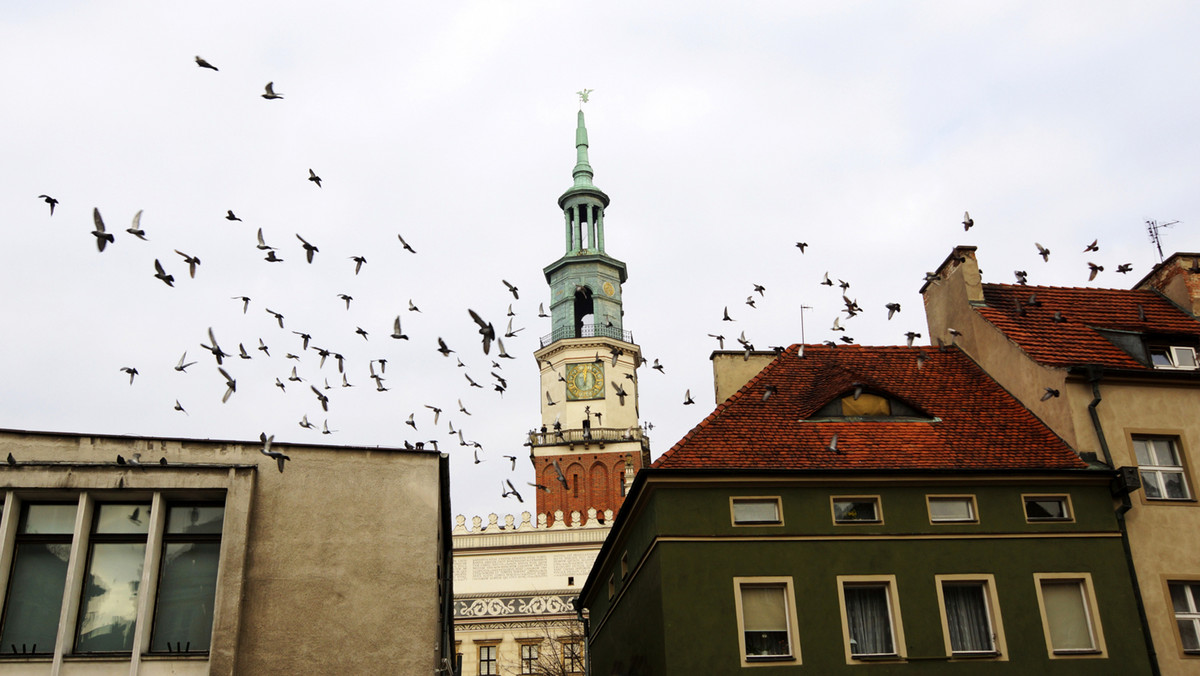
{"x": 966, "y": 616}
{"x": 869, "y": 619}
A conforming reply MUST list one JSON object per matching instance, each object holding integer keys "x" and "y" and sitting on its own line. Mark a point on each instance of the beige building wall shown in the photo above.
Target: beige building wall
{"x": 1162, "y": 533}
{"x": 514, "y": 583}
{"x": 330, "y": 567}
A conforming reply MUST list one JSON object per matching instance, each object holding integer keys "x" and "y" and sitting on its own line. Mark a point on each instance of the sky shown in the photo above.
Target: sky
{"x": 723, "y": 134}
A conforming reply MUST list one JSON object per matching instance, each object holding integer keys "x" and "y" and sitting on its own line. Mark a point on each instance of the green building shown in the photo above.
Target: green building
{"x": 861, "y": 510}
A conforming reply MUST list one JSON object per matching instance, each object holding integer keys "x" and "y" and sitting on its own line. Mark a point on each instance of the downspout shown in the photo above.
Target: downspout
{"x": 1094, "y": 374}
{"x": 449, "y": 658}
{"x": 587, "y": 648}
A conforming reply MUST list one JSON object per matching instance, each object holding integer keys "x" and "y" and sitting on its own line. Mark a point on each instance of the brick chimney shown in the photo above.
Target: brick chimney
{"x": 1177, "y": 278}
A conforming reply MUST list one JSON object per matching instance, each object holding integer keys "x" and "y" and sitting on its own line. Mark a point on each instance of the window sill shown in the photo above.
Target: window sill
{"x": 877, "y": 658}
{"x": 164, "y": 657}
{"x": 989, "y": 655}
{"x": 1077, "y": 653}
{"x": 770, "y": 658}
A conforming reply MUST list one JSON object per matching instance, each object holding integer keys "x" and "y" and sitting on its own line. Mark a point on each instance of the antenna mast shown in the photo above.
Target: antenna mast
{"x": 1153, "y": 227}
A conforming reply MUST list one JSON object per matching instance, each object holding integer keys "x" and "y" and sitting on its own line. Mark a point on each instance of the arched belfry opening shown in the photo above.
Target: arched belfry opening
{"x": 584, "y": 309}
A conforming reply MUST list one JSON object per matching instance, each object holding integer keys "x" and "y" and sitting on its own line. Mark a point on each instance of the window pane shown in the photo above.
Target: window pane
{"x": 116, "y": 519}
{"x": 951, "y": 509}
{"x": 1159, "y": 357}
{"x": 854, "y": 510}
{"x": 184, "y": 612}
{"x": 108, "y": 610}
{"x": 1046, "y": 508}
{"x": 1163, "y": 453}
{"x": 1067, "y": 615}
{"x": 764, "y": 620}
{"x": 869, "y": 620}
{"x": 967, "y": 618}
{"x": 1141, "y": 449}
{"x": 35, "y": 596}
{"x": 1176, "y": 488}
{"x": 865, "y": 405}
{"x": 48, "y": 520}
{"x": 1185, "y": 357}
{"x": 755, "y": 511}
{"x": 195, "y": 519}
{"x": 1151, "y": 485}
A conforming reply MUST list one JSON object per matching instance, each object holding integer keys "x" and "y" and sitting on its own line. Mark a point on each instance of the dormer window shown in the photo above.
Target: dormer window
{"x": 1173, "y": 357}
{"x": 867, "y": 405}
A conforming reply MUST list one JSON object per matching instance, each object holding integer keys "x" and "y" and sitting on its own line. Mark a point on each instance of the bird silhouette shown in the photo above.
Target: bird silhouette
{"x": 103, "y": 237}
{"x": 312, "y": 176}
{"x": 485, "y": 330}
{"x": 512, "y": 289}
{"x": 131, "y": 371}
{"x": 192, "y": 262}
{"x": 136, "y": 228}
{"x": 270, "y": 92}
{"x": 358, "y": 263}
{"x": 1043, "y": 252}
{"x": 267, "y": 451}
{"x": 229, "y": 215}
{"x": 396, "y": 332}
{"x": 967, "y": 220}
{"x": 205, "y": 64}
{"x": 159, "y": 273}
{"x": 687, "y": 398}
{"x": 309, "y": 249}
{"x": 49, "y": 200}
{"x": 405, "y": 245}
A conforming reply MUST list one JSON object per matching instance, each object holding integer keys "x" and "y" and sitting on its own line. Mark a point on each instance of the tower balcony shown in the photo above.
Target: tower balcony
{"x": 588, "y": 331}
{"x": 595, "y": 435}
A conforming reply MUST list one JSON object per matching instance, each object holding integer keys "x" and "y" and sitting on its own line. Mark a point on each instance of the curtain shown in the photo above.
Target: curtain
{"x": 1067, "y": 615}
{"x": 869, "y": 620}
{"x": 967, "y": 618}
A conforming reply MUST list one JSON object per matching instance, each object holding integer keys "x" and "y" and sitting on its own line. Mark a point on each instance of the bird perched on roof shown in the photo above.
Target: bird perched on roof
{"x": 967, "y": 220}
{"x": 103, "y": 237}
{"x": 136, "y": 228}
{"x": 192, "y": 262}
{"x": 1043, "y": 252}
{"x": 159, "y": 273}
{"x": 309, "y": 249}
{"x": 270, "y": 92}
{"x": 49, "y": 200}
{"x": 1021, "y": 276}
{"x": 266, "y": 450}
{"x": 205, "y": 64}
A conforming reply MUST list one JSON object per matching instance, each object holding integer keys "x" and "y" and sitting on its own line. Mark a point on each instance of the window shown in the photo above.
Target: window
{"x": 1161, "y": 469}
{"x": 1173, "y": 357}
{"x": 119, "y": 552}
{"x": 864, "y": 509}
{"x": 1047, "y": 508}
{"x": 1069, "y": 618}
{"x": 572, "y": 653}
{"x": 612, "y": 587}
{"x": 529, "y": 657}
{"x": 951, "y": 508}
{"x": 756, "y": 511}
{"x": 487, "y": 661}
{"x": 624, "y": 565}
{"x": 871, "y": 617}
{"x": 1185, "y": 597}
{"x": 970, "y": 615}
{"x": 39, "y": 574}
{"x": 766, "y": 617}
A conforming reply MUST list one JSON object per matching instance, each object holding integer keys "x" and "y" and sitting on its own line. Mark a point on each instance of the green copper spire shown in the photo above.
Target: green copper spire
{"x": 583, "y": 170}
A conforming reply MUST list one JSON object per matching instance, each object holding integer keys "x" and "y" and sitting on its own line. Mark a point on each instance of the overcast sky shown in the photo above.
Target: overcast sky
{"x": 724, "y": 133}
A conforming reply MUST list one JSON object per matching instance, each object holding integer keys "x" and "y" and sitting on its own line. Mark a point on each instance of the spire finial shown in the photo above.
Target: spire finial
{"x": 583, "y": 96}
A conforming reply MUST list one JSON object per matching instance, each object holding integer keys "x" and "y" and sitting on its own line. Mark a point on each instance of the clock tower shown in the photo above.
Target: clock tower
{"x": 589, "y": 443}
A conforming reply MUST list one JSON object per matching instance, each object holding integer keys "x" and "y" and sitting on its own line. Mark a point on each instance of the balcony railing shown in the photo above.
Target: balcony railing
{"x": 594, "y": 435}
{"x": 588, "y": 331}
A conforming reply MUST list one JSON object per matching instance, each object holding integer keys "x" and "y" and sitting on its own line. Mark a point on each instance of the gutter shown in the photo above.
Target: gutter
{"x": 1094, "y": 374}
{"x": 587, "y": 638}
{"x": 449, "y": 659}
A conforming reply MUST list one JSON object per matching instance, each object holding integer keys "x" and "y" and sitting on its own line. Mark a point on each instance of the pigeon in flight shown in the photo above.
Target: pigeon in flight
{"x": 358, "y": 263}
{"x": 396, "y": 332}
{"x": 278, "y": 317}
{"x": 1043, "y": 252}
{"x": 179, "y": 407}
{"x": 412, "y": 307}
{"x": 967, "y": 220}
{"x": 136, "y": 228}
{"x": 159, "y": 273}
{"x": 405, "y": 245}
{"x": 312, "y": 176}
{"x": 192, "y": 262}
{"x": 309, "y": 249}
{"x": 229, "y": 216}
{"x": 1094, "y": 246}
{"x": 485, "y": 330}
{"x": 182, "y": 367}
{"x": 204, "y": 64}
{"x": 266, "y": 450}
{"x": 261, "y": 244}
{"x": 230, "y": 385}
{"x": 1094, "y": 270}
{"x": 49, "y": 200}
{"x": 346, "y": 298}
{"x": 687, "y": 398}
{"x": 512, "y": 289}
{"x": 801, "y": 246}
{"x": 272, "y": 258}
{"x": 443, "y": 348}
{"x": 245, "y": 302}
{"x": 1124, "y": 267}
{"x": 892, "y": 309}
{"x": 103, "y": 237}
{"x": 542, "y": 310}
{"x": 131, "y": 371}
{"x": 270, "y": 92}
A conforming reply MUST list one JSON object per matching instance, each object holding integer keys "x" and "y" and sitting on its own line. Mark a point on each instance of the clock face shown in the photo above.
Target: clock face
{"x": 585, "y": 381}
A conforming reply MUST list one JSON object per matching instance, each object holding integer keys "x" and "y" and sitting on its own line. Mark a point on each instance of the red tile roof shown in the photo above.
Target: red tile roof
{"x": 976, "y": 424}
{"x": 1075, "y": 340}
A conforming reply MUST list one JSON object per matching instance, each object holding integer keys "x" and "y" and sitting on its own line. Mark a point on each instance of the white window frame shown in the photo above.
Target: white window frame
{"x": 877, "y": 521}
{"x": 1191, "y": 614}
{"x": 1088, "y": 594}
{"x": 734, "y": 501}
{"x": 971, "y": 505}
{"x": 888, "y": 582}
{"x": 1179, "y": 357}
{"x": 789, "y": 594}
{"x": 1064, "y": 498}
{"x": 987, "y": 583}
{"x": 1158, "y": 470}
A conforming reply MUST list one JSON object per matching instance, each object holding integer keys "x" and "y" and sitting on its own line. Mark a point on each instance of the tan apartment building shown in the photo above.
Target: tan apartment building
{"x": 1114, "y": 373}
{"x": 146, "y": 556}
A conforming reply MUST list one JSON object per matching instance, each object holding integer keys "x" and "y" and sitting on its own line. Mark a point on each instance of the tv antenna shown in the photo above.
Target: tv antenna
{"x": 1153, "y": 228}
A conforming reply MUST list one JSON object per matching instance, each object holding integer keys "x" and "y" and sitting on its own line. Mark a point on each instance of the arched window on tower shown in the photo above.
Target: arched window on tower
{"x": 584, "y": 309}
{"x": 598, "y": 493}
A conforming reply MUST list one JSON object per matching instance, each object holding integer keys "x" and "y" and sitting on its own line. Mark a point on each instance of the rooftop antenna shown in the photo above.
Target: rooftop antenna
{"x": 802, "y": 341}
{"x": 1153, "y": 227}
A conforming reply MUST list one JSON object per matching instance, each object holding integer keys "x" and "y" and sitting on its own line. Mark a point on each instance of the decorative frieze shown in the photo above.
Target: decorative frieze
{"x": 503, "y": 606}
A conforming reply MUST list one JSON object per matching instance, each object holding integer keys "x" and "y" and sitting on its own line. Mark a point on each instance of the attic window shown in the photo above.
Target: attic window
{"x": 1173, "y": 357}
{"x": 866, "y": 405}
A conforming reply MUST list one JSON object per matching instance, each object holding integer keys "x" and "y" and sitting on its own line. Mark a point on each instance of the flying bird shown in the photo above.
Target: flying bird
{"x": 103, "y": 237}
{"x": 360, "y": 331}
{"x": 242, "y": 352}
{"x": 967, "y": 220}
{"x": 801, "y": 246}
{"x": 159, "y": 273}
{"x": 1022, "y": 277}
{"x": 542, "y": 310}
{"x": 620, "y": 392}
{"x": 263, "y": 346}
{"x": 720, "y": 340}
{"x": 750, "y": 301}
{"x": 321, "y": 397}
{"x": 832, "y": 446}
{"x": 261, "y": 244}
{"x": 827, "y": 281}
{"x": 405, "y": 245}
{"x": 270, "y": 94}
{"x": 1094, "y": 270}
{"x": 192, "y": 262}
{"x": 1094, "y": 246}
{"x": 278, "y": 316}
{"x": 910, "y": 336}
{"x": 485, "y": 330}
{"x": 312, "y": 176}
{"x": 131, "y": 371}
{"x": 1124, "y": 267}
{"x": 443, "y": 348}
{"x": 1043, "y": 252}
{"x": 179, "y": 407}
{"x": 266, "y": 450}
{"x": 396, "y": 332}
{"x": 510, "y": 332}
{"x": 49, "y": 200}
{"x": 687, "y": 398}
{"x": 182, "y": 367}
{"x": 411, "y": 307}
{"x": 309, "y": 249}
{"x": 1050, "y": 393}
{"x": 136, "y": 228}
{"x": 306, "y": 424}
{"x": 346, "y": 298}
{"x": 214, "y": 348}
{"x": 272, "y": 258}
{"x": 725, "y": 317}
{"x": 229, "y": 216}
{"x": 230, "y": 385}
{"x": 204, "y": 64}
{"x": 550, "y": 401}
{"x": 892, "y": 309}
{"x": 358, "y": 263}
